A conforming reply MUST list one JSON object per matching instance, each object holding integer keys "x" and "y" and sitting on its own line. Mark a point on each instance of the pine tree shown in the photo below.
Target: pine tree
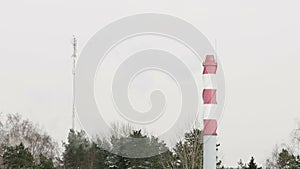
{"x": 138, "y": 145}
{"x": 81, "y": 153}
{"x": 288, "y": 160}
{"x": 252, "y": 164}
{"x": 45, "y": 163}
{"x": 17, "y": 157}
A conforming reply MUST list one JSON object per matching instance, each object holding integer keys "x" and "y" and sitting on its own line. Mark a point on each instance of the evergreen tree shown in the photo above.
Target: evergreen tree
{"x": 252, "y": 164}
{"x": 45, "y": 163}
{"x": 81, "y": 153}
{"x": 287, "y": 160}
{"x": 96, "y": 156}
{"x": 137, "y": 145}
{"x": 17, "y": 157}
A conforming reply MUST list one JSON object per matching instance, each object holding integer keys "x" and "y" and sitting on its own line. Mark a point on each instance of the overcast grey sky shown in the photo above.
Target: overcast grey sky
{"x": 258, "y": 44}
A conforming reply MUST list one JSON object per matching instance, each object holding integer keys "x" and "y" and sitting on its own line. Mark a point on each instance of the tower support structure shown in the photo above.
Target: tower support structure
{"x": 74, "y": 58}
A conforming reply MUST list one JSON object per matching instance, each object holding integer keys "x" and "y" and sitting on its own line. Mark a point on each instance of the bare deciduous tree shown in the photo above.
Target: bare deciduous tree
{"x": 15, "y": 130}
{"x": 296, "y": 138}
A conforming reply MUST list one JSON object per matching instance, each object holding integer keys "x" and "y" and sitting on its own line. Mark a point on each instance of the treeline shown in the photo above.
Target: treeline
{"x": 24, "y": 145}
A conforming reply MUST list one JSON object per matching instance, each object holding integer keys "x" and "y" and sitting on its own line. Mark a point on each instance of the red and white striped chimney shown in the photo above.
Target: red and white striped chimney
{"x": 210, "y": 123}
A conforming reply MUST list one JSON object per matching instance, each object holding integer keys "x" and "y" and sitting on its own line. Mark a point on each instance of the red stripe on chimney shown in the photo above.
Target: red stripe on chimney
{"x": 210, "y": 127}
{"x": 209, "y": 96}
{"x": 210, "y": 65}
